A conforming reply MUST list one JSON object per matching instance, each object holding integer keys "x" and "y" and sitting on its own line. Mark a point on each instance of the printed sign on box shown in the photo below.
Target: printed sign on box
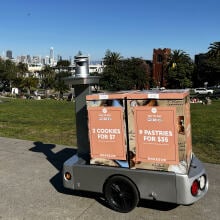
{"x": 156, "y": 134}
{"x": 106, "y": 133}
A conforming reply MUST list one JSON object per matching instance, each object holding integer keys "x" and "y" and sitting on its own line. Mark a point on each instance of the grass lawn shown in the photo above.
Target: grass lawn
{"x": 52, "y": 121}
{"x": 48, "y": 121}
{"x": 205, "y": 121}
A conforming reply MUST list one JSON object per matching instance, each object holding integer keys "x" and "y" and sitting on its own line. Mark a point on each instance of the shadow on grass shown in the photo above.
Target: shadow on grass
{"x": 57, "y": 160}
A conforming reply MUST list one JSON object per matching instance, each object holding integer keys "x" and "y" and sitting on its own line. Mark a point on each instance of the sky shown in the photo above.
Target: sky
{"x": 132, "y": 28}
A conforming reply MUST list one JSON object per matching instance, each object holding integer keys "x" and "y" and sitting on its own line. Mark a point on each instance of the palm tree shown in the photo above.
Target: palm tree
{"x": 111, "y": 73}
{"x": 59, "y": 84}
{"x": 214, "y": 50}
{"x": 178, "y": 56}
{"x": 179, "y": 70}
{"x": 111, "y": 58}
{"x": 212, "y": 64}
{"x": 30, "y": 82}
{"x": 61, "y": 87}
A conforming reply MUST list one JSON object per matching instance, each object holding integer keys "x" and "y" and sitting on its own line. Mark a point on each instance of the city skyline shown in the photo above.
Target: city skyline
{"x": 51, "y": 58}
{"x": 9, "y": 54}
{"x": 131, "y": 28}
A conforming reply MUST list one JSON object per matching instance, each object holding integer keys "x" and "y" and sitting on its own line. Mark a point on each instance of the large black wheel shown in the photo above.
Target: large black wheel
{"x": 121, "y": 194}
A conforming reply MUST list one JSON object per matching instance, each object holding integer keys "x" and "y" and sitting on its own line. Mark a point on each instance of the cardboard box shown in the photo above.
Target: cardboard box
{"x": 151, "y": 130}
{"x": 159, "y": 122}
{"x": 107, "y": 129}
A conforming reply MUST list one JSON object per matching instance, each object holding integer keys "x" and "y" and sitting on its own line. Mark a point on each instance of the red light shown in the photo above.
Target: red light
{"x": 195, "y": 188}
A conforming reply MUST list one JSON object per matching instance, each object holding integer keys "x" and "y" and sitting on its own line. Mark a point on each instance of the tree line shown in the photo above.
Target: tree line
{"x": 17, "y": 75}
{"x": 180, "y": 70}
{"x": 119, "y": 73}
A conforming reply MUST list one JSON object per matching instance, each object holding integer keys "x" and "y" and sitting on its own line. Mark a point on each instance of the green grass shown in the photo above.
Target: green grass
{"x": 205, "y": 121}
{"x": 38, "y": 120}
{"x": 52, "y": 121}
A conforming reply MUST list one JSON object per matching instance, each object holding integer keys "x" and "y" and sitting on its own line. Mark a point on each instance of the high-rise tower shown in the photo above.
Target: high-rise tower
{"x": 51, "y": 53}
{"x": 9, "y": 54}
{"x": 51, "y": 57}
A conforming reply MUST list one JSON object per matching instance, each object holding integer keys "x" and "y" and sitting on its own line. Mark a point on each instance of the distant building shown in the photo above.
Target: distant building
{"x": 199, "y": 77}
{"x": 51, "y": 58}
{"x": 34, "y": 68}
{"x": 200, "y": 58}
{"x": 51, "y": 53}
{"x": 160, "y": 59}
{"x": 96, "y": 68}
{"x": 36, "y": 60}
{"x": 59, "y": 57}
{"x": 28, "y": 58}
{"x": 23, "y": 59}
{"x": 9, "y": 54}
{"x": 46, "y": 60}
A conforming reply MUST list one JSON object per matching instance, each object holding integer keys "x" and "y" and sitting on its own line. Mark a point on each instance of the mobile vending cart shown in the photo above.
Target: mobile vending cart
{"x": 132, "y": 145}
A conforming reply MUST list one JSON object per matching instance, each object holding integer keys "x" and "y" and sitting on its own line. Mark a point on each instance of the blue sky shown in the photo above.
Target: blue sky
{"x": 132, "y": 28}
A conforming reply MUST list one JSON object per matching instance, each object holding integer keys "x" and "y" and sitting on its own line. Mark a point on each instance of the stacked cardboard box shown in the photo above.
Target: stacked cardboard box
{"x": 159, "y": 122}
{"x": 107, "y": 130}
{"x": 141, "y": 130}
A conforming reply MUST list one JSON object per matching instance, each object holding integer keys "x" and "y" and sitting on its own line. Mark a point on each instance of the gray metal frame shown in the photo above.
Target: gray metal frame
{"x": 153, "y": 185}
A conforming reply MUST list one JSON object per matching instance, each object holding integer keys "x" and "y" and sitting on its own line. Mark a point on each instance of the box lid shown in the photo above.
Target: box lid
{"x": 137, "y": 94}
{"x": 164, "y": 94}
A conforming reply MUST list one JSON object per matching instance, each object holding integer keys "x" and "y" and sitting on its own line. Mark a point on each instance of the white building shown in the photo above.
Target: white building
{"x": 32, "y": 68}
{"x": 96, "y": 68}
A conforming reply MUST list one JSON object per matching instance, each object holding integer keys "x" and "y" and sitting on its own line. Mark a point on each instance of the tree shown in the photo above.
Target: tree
{"x": 30, "y": 83}
{"x": 214, "y": 50}
{"x": 135, "y": 71}
{"x": 213, "y": 63}
{"x": 111, "y": 73}
{"x": 22, "y": 68}
{"x": 7, "y": 74}
{"x": 123, "y": 74}
{"x": 47, "y": 77}
{"x": 179, "y": 70}
{"x": 178, "y": 56}
{"x": 112, "y": 58}
{"x": 63, "y": 64}
{"x": 207, "y": 66}
{"x": 18, "y": 82}
{"x": 59, "y": 84}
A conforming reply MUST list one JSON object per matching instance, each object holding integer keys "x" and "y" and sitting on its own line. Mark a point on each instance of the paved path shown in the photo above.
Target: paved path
{"x": 31, "y": 188}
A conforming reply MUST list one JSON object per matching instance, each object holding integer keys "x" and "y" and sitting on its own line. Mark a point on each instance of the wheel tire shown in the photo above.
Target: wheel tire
{"x": 121, "y": 194}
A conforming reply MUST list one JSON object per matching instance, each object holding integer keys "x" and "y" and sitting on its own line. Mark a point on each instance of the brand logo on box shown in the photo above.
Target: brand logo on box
{"x": 104, "y": 110}
{"x": 154, "y": 110}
